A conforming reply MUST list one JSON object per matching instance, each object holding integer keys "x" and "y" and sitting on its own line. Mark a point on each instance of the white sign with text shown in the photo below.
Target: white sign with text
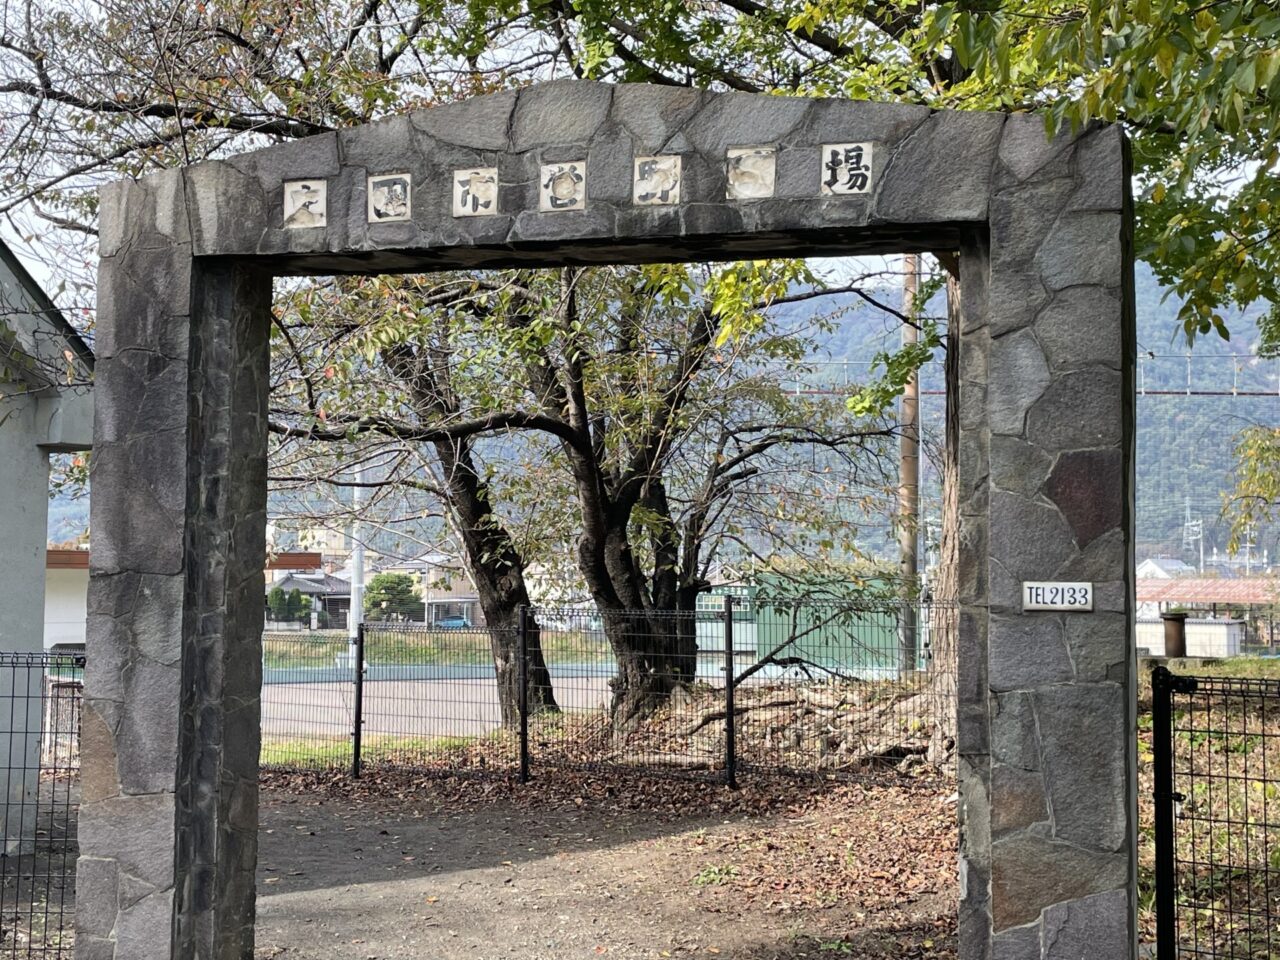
{"x": 1051, "y": 595}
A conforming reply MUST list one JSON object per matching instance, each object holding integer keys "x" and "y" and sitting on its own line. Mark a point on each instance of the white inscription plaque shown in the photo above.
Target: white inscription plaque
{"x": 846, "y": 169}
{"x": 752, "y": 172}
{"x": 475, "y": 192}
{"x": 562, "y": 186}
{"x": 1056, "y": 595}
{"x": 657, "y": 181}
{"x": 305, "y": 204}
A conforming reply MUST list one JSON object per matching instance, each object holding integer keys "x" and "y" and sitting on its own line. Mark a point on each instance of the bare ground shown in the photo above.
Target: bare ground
{"x": 576, "y": 865}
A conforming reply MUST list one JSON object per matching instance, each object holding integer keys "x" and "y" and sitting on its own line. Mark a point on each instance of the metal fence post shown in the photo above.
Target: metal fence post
{"x": 357, "y": 720}
{"x": 1163, "y": 686}
{"x": 523, "y": 644}
{"x": 730, "y": 720}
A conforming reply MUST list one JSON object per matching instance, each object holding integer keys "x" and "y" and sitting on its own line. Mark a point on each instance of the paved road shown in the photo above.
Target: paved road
{"x": 423, "y": 701}
{"x": 446, "y": 706}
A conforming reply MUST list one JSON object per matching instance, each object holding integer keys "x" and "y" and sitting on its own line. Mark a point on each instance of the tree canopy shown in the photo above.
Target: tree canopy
{"x": 391, "y": 596}
{"x": 109, "y": 88}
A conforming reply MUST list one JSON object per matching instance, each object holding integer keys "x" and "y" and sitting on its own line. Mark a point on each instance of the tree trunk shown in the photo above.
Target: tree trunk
{"x": 670, "y": 592}
{"x": 647, "y": 673}
{"x": 653, "y": 632}
{"x": 497, "y": 569}
{"x": 645, "y": 641}
{"x": 495, "y": 565}
{"x": 654, "y": 655}
{"x": 504, "y": 642}
{"x": 945, "y": 612}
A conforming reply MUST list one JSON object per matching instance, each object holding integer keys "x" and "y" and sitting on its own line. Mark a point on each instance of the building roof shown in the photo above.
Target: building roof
{"x": 45, "y": 306}
{"x": 1170, "y": 566}
{"x": 314, "y": 585}
{"x": 64, "y": 558}
{"x": 1201, "y": 591}
{"x": 295, "y": 560}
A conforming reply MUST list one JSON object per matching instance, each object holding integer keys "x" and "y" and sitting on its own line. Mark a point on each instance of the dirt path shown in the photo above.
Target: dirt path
{"x": 518, "y": 877}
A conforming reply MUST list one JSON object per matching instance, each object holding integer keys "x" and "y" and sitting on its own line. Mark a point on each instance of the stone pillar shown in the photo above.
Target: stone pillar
{"x": 168, "y": 821}
{"x": 973, "y": 728}
{"x": 1047, "y": 725}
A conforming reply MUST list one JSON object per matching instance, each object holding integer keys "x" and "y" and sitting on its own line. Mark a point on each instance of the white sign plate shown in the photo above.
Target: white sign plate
{"x": 1055, "y": 595}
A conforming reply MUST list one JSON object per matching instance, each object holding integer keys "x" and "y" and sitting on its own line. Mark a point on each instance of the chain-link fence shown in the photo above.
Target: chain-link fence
{"x": 40, "y": 698}
{"x": 839, "y": 688}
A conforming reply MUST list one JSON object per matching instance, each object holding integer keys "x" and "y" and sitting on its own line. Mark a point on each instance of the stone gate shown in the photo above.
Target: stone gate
{"x": 583, "y": 173}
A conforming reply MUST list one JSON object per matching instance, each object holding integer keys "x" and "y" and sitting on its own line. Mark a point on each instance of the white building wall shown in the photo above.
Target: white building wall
{"x": 65, "y": 599}
{"x": 24, "y": 520}
{"x": 1205, "y": 638}
{"x": 24, "y": 513}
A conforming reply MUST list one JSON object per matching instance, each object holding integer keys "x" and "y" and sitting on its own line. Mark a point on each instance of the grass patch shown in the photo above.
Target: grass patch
{"x": 303, "y": 753}
{"x": 426, "y": 648}
{"x": 1243, "y": 668}
{"x": 715, "y": 875}
{"x": 374, "y": 750}
{"x": 286, "y": 650}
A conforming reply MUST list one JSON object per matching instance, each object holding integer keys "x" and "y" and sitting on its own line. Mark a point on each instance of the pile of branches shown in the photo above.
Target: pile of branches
{"x": 830, "y": 727}
{"x": 836, "y": 726}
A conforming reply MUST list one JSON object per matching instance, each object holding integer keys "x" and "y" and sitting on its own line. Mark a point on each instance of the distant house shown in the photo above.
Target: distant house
{"x": 1211, "y": 595}
{"x": 66, "y": 587}
{"x": 1164, "y": 568}
{"x": 443, "y": 583}
{"x": 1252, "y": 600}
{"x": 330, "y": 598}
{"x": 1204, "y": 638}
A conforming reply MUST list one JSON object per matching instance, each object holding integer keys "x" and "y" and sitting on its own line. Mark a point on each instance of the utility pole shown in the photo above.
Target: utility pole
{"x": 909, "y": 478}
{"x": 1193, "y": 533}
{"x": 356, "y": 615}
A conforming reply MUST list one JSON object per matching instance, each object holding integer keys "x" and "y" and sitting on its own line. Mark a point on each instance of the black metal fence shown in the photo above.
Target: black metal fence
{"x": 1216, "y": 766}
{"x": 40, "y": 699}
{"x": 834, "y": 688}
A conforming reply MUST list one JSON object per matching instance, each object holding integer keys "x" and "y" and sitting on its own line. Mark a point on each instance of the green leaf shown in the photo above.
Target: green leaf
{"x": 1245, "y": 78}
